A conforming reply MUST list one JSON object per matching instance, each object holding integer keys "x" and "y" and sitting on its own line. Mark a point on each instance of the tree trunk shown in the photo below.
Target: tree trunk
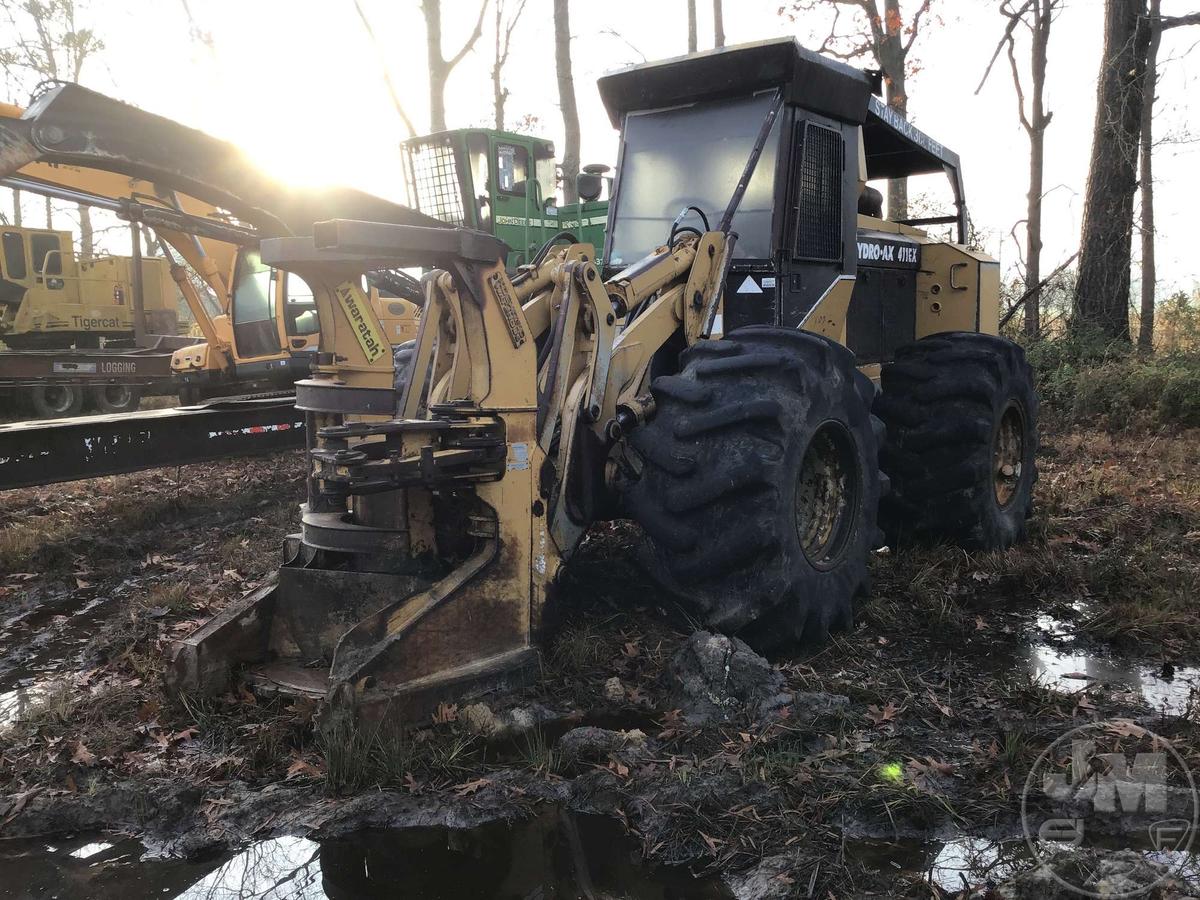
{"x": 86, "y": 242}
{"x": 718, "y": 24}
{"x": 1146, "y": 176}
{"x": 438, "y": 71}
{"x": 49, "y": 214}
{"x": 1101, "y": 302}
{"x": 897, "y": 203}
{"x": 1038, "y": 121}
{"x": 566, "y": 98}
{"x": 16, "y": 208}
{"x": 691, "y": 16}
{"x": 891, "y": 59}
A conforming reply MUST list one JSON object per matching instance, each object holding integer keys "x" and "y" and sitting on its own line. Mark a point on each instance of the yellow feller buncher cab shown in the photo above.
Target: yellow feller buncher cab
{"x": 49, "y": 298}
{"x": 714, "y": 382}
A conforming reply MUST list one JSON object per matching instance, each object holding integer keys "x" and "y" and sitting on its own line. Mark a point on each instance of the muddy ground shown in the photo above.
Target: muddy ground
{"x": 807, "y": 778}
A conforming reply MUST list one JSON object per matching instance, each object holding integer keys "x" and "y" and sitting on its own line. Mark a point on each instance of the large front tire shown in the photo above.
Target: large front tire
{"x": 760, "y": 483}
{"x": 961, "y": 416}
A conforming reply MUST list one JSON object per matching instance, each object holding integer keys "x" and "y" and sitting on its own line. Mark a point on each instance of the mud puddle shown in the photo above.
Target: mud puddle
{"x": 47, "y": 637}
{"x": 1056, "y": 660}
{"x": 964, "y": 863}
{"x": 555, "y": 854}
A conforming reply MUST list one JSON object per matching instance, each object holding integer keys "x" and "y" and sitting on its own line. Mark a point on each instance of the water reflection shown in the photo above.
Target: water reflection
{"x": 551, "y": 856}
{"x": 16, "y": 703}
{"x": 951, "y": 865}
{"x": 1072, "y": 671}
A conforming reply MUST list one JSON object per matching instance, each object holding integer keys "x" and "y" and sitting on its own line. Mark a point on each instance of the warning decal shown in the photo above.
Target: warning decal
{"x": 749, "y": 286}
{"x": 354, "y": 305}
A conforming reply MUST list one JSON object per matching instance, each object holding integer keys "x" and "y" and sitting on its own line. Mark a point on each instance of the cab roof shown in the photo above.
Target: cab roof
{"x": 894, "y": 146}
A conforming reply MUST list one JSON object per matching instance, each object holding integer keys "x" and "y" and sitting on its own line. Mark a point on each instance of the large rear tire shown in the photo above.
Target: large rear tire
{"x": 961, "y": 416}
{"x": 760, "y": 484}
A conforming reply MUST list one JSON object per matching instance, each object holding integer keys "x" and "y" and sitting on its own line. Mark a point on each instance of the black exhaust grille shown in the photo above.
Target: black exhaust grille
{"x": 818, "y": 213}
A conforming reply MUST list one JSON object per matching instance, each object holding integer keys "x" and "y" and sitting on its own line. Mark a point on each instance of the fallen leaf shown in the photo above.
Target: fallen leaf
{"x": 83, "y": 755}
{"x": 471, "y": 787}
{"x": 712, "y": 842}
{"x": 882, "y": 716}
{"x": 1125, "y": 728}
{"x": 301, "y": 767}
{"x": 942, "y": 708}
{"x": 446, "y": 712}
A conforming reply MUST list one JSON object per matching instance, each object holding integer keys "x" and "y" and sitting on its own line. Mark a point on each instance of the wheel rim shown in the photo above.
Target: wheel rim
{"x": 1008, "y": 454}
{"x": 116, "y": 394}
{"x": 58, "y": 398}
{"x": 827, "y": 495}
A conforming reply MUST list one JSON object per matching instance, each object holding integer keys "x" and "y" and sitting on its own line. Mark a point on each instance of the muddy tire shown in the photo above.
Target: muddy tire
{"x": 961, "y": 416}
{"x": 56, "y": 401}
{"x": 760, "y": 484}
{"x": 115, "y": 398}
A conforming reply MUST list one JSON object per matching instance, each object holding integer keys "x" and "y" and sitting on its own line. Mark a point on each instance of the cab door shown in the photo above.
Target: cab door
{"x": 514, "y": 199}
{"x": 15, "y": 268}
{"x": 255, "y": 309}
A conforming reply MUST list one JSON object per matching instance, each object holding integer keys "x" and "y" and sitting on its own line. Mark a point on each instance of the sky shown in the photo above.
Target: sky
{"x": 298, "y": 84}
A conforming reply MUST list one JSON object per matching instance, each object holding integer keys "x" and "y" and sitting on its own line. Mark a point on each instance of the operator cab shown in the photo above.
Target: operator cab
{"x": 800, "y": 136}
{"x": 501, "y": 183}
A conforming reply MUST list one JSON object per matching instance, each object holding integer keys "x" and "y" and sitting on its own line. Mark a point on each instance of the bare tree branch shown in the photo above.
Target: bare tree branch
{"x": 1013, "y": 19}
{"x": 1176, "y": 21}
{"x": 387, "y": 78}
{"x": 466, "y": 48}
{"x": 915, "y": 26}
{"x": 1016, "y": 74}
{"x": 1012, "y": 310}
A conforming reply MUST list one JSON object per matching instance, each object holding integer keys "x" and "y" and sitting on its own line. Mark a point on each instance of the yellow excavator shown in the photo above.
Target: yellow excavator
{"x": 767, "y": 375}
{"x": 259, "y": 330}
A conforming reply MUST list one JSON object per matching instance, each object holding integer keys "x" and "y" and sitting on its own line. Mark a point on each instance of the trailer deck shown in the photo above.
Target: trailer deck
{"x": 55, "y": 450}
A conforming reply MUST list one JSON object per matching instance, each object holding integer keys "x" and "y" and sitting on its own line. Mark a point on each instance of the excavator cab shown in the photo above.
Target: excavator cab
{"x": 270, "y": 329}
{"x": 500, "y": 183}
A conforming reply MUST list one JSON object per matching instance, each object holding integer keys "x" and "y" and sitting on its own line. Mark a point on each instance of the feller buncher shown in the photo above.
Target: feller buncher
{"x": 714, "y": 384}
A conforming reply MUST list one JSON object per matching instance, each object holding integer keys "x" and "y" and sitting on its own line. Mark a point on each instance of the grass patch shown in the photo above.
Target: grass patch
{"x": 1086, "y": 381}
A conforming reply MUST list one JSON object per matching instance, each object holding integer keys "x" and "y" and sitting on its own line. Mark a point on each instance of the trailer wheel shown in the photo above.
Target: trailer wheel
{"x": 115, "y": 398}
{"x": 961, "y": 416}
{"x": 56, "y": 401}
{"x": 760, "y": 484}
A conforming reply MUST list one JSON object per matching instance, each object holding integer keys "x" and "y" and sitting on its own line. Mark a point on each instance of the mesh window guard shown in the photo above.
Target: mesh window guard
{"x": 435, "y": 179}
{"x": 819, "y": 195}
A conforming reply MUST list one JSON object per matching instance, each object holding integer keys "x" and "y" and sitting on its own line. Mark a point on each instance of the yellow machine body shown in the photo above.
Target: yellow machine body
{"x": 53, "y": 298}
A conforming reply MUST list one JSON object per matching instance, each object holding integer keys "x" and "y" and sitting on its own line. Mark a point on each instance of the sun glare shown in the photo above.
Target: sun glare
{"x": 307, "y": 116}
